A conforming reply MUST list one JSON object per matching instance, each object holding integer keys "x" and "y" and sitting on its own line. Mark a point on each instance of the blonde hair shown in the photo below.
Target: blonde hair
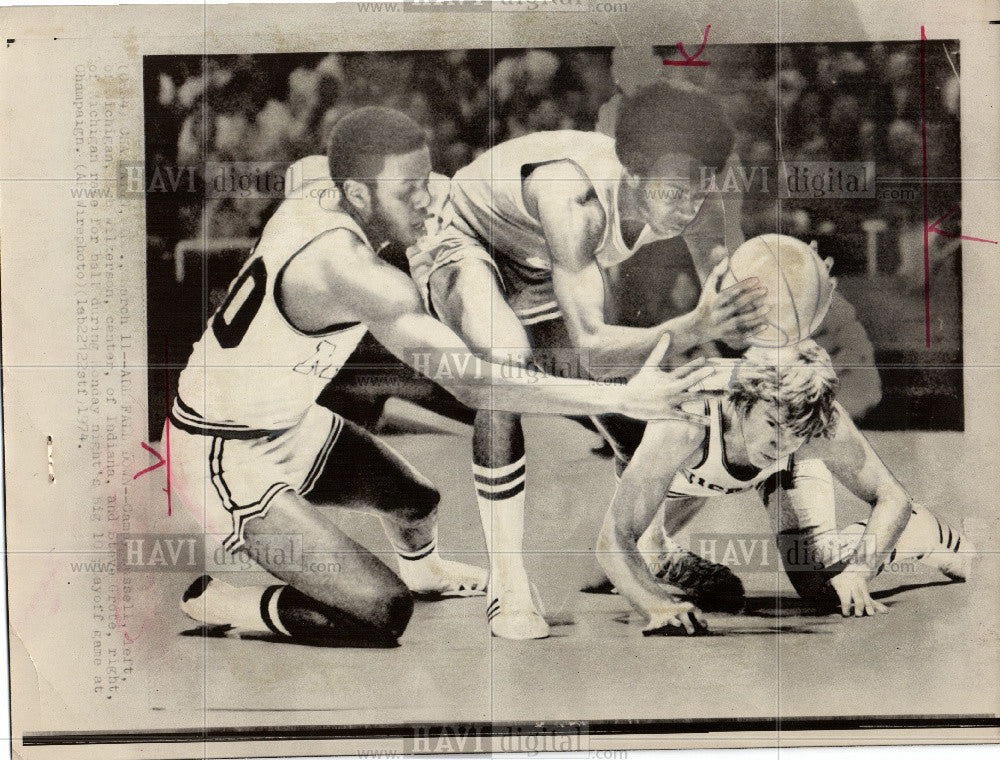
{"x": 798, "y": 379}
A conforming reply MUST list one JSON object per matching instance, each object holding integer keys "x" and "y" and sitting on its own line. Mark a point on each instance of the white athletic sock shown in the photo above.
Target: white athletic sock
{"x": 500, "y": 494}
{"x": 416, "y": 566}
{"x": 252, "y": 608}
{"x": 925, "y": 539}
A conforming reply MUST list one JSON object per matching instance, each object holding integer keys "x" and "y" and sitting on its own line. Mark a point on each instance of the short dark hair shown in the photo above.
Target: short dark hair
{"x": 664, "y": 118}
{"x": 360, "y": 141}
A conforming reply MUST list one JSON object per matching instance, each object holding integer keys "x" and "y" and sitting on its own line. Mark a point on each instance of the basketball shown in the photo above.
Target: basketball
{"x": 797, "y": 281}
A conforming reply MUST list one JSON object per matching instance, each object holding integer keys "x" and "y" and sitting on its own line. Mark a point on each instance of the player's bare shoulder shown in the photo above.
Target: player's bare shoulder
{"x": 561, "y": 196}
{"x": 321, "y": 263}
{"x": 679, "y": 437}
{"x": 338, "y": 274}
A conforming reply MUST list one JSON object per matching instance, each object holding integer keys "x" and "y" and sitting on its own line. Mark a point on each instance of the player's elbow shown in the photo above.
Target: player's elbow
{"x": 891, "y": 495}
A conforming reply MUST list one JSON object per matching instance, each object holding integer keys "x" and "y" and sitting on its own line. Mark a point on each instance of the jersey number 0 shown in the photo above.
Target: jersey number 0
{"x": 246, "y": 294}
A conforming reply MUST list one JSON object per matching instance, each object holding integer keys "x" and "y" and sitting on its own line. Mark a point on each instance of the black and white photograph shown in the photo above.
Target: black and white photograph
{"x": 477, "y": 377}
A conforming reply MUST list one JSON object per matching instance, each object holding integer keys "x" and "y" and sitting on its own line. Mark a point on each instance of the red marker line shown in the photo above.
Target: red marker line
{"x": 166, "y": 438}
{"x": 923, "y": 139}
{"x": 166, "y": 426}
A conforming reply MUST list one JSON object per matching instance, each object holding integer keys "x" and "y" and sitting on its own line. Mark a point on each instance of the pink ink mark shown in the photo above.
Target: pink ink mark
{"x": 166, "y": 432}
{"x": 166, "y": 426}
{"x": 691, "y": 60}
{"x": 166, "y": 439}
{"x": 156, "y": 466}
{"x": 928, "y": 227}
{"x": 923, "y": 140}
{"x": 934, "y": 228}
{"x": 163, "y": 461}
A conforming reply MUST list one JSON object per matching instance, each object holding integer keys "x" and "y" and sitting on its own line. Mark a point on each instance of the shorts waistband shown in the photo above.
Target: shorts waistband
{"x": 187, "y": 419}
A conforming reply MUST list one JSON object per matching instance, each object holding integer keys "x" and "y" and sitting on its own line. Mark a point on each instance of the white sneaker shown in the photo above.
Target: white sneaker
{"x": 197, "y": 602}
{"x": 517, "y": 619}
{"x": 957, "y": 564}
{"x": 434, "y": 576}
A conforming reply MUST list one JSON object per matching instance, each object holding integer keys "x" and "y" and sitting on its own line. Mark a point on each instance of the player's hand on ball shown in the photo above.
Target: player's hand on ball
{"x": 731, "y": 314}
{"x": 680, "y": 619}
{"x": 852, "y": 589}
{"x": 653, "y": 394}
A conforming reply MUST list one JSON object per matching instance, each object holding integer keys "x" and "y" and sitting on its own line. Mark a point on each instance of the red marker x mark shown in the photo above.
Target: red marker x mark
{"x": 691, "y": 60}
{"x": 929, "y": 228}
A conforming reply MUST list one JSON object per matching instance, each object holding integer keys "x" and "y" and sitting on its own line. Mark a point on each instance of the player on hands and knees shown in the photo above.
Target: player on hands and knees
{"x": 778, "y": 429}
{"x": 799, "y": 293}
{"x": 516, "y": 265}
{"x": 254, "y": 454}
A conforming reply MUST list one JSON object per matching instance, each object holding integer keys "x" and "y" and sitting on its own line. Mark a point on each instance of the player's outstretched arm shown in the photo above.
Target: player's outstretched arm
{"x": 388, "y": 302}
{"x": 852, "y": 460}
{"x": 644, "y": 483}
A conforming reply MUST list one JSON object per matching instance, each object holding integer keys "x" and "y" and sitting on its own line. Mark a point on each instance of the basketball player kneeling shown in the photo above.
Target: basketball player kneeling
{"x": 777, "y": 429}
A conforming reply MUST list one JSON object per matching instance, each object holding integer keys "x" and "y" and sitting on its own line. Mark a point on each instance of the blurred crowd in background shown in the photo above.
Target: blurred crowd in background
{"x": 277, "y": 109}
{"x": 857, "y": 102}
{"x": 846, "y": 102}
{"x": 802, "y": 102}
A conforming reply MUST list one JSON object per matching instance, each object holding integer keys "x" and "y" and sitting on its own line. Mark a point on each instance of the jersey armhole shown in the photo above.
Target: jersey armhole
{"x": 706, "y": 441}
{"x": 279, "y": 300}
{"x": 529, "y": 168}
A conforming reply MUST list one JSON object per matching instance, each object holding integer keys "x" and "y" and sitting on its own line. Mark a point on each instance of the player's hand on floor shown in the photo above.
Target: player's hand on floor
{"x": 732, "y": 314}
{"x": 855, "y": 599}
{"x": 680, "y": 619}
{"x": 654, "y": 394}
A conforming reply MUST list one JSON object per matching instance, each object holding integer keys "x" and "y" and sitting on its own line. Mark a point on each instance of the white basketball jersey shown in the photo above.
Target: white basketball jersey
{"x": 252, "y": 372}
{"x": 487, "y": 195}
{"x": 711, "y": 475}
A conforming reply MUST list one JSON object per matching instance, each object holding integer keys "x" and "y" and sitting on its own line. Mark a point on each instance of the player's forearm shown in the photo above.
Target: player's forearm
{"x": 525, "y": 390}
{"x": 620, "y": 559}
{"x": 617, "y": 351}
{"x": 685, "y": 333}
{"x": 888, "y": 519}
{"x": 632, "y": 509}
{"x": 480, "y": 384}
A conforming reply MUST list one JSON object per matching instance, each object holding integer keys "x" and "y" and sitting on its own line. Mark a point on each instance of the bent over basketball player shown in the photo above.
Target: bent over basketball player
{"x": 260, "y": 457}
{"x": 778, "y": 430}
{"x": 517, "y": 266}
